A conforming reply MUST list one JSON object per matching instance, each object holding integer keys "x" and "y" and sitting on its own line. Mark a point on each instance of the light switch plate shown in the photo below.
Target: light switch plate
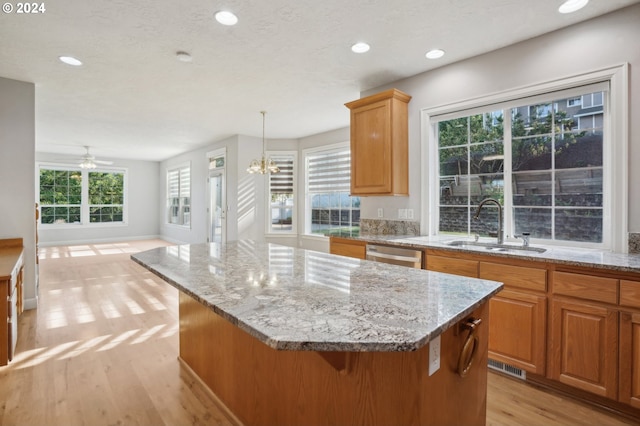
{"x": 380, "y": 212}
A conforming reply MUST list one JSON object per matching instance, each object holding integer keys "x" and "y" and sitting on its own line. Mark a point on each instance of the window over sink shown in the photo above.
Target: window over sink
{"x": 549, "y": 156}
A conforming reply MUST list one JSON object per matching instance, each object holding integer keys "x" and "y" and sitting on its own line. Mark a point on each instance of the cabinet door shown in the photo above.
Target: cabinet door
{"x": 517, "y": 330}
{"x": 371, "y": 149}
{"x": 630, "y": 359}
{"x": 584, "y": 346}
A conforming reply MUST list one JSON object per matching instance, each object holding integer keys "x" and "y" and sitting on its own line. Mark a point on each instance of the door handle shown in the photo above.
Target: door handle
{"x": 470, "y": 347}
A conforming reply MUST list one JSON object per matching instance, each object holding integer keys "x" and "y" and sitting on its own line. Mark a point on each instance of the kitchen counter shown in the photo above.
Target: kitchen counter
{"x": 289, "y": 336}
{"x": 294, "y": 299}
{"x": 562, "y": 255}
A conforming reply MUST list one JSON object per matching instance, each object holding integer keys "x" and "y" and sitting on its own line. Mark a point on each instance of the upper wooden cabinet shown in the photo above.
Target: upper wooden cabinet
{"x": 380, "y": 144}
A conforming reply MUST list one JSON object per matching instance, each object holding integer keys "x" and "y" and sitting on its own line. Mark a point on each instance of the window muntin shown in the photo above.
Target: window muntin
{"x": 543, "y": 167}
{"x": 282, "y": 208}
{"x": 329, "y": 208}
{"x": 179, "y": 196}
{"x": 79, "y": 197}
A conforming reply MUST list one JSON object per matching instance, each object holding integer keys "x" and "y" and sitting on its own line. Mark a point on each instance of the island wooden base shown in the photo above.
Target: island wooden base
{"x": 263, "y": 386}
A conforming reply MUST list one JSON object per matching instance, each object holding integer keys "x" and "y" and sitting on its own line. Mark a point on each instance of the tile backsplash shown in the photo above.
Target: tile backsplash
{"x": 634, "y": 242}
{"x": 389, "y": 227}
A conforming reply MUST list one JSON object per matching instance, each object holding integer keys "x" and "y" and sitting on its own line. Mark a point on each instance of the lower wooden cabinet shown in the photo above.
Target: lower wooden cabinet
{"x": 347, "y": 247}
{"x": 518, "y": 316}
{"x": 584, "y": 346}
{"x": 517, "y": 330}
{"x": 11, "y": 290}
{"x": 629, "y": 390}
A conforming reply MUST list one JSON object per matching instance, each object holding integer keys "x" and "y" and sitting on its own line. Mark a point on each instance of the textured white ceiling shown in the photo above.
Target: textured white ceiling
{"x": 133, "y": 99}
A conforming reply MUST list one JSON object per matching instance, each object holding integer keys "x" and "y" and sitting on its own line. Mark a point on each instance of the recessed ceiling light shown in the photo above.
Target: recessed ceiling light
{"x": 70, "y": 60}
{"x": 435, "y": 54}
{"x": 226, "y": 18}
{"x": 360, "y": 47}
{"x": 183, "y": 57}
{"x": 570, "y": 6}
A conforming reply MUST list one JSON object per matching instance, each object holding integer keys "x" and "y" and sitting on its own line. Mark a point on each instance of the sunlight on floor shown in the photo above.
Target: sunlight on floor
{"x": 67, "y": 350}
{"x": 86, "y": 250}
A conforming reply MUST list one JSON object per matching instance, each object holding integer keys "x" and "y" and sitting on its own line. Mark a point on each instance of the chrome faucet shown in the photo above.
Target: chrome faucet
{"x": 500, "y": 223}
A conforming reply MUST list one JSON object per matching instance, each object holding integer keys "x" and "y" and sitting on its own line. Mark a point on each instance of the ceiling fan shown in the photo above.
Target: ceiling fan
{"x": 88, "y": 161}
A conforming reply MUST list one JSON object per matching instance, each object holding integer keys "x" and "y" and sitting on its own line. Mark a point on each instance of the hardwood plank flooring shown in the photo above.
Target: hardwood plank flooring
{"x": 102, "y": 347}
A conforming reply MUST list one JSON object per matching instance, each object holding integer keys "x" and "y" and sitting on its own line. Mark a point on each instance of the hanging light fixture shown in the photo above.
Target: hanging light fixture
{"x": 264, "y": 165}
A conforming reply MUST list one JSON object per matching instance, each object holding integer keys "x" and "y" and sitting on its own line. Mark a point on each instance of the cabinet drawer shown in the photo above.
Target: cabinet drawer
{"x": 588, "y": 287}
{"x": 450, "y": 265}
{"x": 349, "y": 248}
{"x": 630, "y": 293}
{"x": 515, "y": 276}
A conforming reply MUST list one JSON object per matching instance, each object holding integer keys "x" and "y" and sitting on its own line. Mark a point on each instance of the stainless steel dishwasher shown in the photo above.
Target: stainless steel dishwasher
{"x": 395, "y": 255}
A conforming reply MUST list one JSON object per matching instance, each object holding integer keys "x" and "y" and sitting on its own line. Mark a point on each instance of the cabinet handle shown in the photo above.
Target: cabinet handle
{"x": 470, "y": 347}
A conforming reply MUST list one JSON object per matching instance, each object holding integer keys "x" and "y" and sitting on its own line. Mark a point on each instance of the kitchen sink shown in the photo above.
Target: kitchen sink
{"x": 495, "y": 246}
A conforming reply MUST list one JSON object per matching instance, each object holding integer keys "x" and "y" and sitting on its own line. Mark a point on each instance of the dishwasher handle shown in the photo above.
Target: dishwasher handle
{"x": 376, "y": 255}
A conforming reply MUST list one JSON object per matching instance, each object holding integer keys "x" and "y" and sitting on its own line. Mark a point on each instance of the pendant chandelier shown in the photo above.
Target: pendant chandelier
{"x": 264, "y": 165}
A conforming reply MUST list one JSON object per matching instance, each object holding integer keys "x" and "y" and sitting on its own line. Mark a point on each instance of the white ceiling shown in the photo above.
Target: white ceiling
{"x": 133, "y": 99}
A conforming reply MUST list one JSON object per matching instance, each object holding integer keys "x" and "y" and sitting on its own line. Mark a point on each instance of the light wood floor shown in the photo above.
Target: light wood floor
{"x": 102, "y": 347}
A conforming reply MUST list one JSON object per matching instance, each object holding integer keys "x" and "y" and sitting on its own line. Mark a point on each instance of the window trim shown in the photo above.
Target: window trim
{"x": 84, "y": 198}
{"x": 294, "y": 219}
{"x": 616, "y": 145}
{"x": 186, "y": 164}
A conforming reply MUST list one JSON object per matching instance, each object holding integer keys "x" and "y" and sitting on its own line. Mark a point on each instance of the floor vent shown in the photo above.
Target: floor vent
{"x": 508, "y": 369}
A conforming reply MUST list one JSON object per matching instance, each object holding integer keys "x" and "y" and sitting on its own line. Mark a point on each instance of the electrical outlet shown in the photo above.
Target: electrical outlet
{"x": 434, "y": 355}
{"x": 409, "y": 213}
{"x": 380, "y": 212}
{"x": 402, "y": 213}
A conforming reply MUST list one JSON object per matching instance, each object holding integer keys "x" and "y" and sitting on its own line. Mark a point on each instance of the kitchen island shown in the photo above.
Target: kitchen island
{"x": 289, "y": 336}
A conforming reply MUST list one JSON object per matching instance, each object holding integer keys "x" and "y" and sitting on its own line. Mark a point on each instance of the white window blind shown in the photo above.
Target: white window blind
{"x": 173, "y": 183}
{"x": 282, "y": 205}
{"x": 185, "y": 182}
{"x": 329, "y": 171}
{"x": 282, "y": 182}
{"x": 179, "y": 196}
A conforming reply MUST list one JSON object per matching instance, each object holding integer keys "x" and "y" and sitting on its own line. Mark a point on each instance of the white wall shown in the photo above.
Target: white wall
{"x": 17, "y": 177}
{"x": 245, "y": 214}
{"x": 605, "y": 41}
{"x": 143, "y": 193}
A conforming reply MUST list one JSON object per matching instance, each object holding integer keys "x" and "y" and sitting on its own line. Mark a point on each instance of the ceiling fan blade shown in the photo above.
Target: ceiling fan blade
{"x": 105, "y": 162}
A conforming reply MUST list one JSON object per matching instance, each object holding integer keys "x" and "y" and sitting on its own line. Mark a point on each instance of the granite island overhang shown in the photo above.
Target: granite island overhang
{"x": 342, "y": 340}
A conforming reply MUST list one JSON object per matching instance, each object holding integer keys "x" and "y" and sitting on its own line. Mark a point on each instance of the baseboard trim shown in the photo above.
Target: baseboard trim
{"x": 584, "y": 397}
{"x": 30, "y": 304}
{"x": 101, "y": 240}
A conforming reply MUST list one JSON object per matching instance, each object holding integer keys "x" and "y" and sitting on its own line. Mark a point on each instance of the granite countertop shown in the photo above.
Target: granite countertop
{"x": 295, "y": 299}
{"x": 590, "y": 258}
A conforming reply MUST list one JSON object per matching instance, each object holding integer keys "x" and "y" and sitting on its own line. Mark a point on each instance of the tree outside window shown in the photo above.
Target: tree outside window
{"x": 81, "y": 196}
